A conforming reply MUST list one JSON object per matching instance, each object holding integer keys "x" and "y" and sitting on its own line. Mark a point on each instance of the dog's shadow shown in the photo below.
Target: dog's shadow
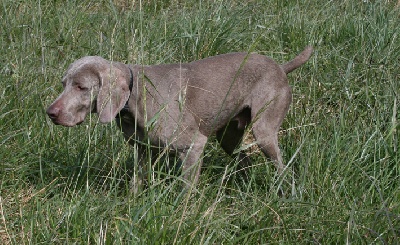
{"x": 102, "y": 173}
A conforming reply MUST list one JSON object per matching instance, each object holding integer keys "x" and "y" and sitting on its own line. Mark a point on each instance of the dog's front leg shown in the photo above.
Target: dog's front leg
{"x": 192, "y": 160}
{"x": 139, "y": 180}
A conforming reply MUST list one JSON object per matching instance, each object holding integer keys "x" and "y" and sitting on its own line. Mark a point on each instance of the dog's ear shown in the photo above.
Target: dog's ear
{"x": 114, "y": 91}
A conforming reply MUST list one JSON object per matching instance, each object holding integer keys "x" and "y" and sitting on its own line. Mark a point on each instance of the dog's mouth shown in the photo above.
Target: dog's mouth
{"x": 56, "y": 121}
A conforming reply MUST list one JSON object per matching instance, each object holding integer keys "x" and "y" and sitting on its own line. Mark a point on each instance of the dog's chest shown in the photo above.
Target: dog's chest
{"x": 131, "y": 130}
{"x": 135, "y": 133}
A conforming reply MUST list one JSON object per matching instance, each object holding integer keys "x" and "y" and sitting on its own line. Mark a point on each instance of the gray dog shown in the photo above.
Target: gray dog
{"x": 178, "y": 106}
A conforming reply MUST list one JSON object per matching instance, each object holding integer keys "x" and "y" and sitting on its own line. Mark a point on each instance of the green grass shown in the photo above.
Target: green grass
{"x": 341, "y": 136}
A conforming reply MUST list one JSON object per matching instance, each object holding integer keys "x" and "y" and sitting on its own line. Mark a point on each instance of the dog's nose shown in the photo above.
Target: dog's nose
{"x": 53, "y": 112}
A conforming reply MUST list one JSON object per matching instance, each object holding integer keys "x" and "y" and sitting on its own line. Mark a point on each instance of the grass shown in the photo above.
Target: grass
{"x": 341, "y": 136}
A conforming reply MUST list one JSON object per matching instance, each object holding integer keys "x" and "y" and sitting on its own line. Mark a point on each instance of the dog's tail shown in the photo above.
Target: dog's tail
{"x": 298, "y": 60}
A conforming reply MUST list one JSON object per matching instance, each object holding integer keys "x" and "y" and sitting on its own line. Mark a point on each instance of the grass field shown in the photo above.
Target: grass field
{"x": 341, "y": 136}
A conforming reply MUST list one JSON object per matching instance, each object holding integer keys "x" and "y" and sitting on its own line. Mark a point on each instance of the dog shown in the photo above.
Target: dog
{"x": 179, "y": 106}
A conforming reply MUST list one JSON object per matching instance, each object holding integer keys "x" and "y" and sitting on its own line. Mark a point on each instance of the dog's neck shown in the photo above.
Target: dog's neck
{"x": 125, "y": 109}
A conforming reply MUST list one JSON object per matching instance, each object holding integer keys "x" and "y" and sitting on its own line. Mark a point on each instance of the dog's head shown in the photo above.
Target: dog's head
{"x": 91, "y": 84}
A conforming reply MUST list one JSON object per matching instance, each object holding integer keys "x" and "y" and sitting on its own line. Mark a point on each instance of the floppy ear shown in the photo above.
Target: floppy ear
{"x": 114, "y": 91}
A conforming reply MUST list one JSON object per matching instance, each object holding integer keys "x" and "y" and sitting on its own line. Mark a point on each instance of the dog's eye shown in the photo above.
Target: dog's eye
{"x": 81, "y": 88}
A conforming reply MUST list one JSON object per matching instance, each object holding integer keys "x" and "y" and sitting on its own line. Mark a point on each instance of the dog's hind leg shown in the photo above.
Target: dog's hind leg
{"x": 267, "y": 119}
